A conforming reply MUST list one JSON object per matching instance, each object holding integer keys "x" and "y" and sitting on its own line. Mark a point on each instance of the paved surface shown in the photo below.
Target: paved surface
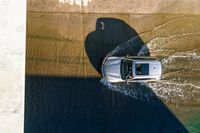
{"x": 57, "y": 40}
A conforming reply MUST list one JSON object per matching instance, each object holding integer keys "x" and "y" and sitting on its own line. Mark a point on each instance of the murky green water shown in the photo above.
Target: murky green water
{"x": 189, "y": 116}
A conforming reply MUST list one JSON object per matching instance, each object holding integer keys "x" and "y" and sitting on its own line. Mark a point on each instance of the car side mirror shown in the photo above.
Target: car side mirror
{"x": 127, "y": 56}
{"x": 127, "y": 81}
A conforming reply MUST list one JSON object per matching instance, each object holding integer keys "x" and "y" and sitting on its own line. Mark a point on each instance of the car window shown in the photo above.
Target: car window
{"x": 142, "y": 69}
{"x": 126, "y": 69}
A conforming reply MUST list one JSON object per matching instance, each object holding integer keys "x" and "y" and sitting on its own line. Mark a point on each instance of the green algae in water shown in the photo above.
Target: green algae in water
{"x": 193, "y": 124}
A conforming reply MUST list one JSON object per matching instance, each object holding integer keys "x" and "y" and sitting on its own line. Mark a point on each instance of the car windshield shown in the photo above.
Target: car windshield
{"x": 126, "y": 69}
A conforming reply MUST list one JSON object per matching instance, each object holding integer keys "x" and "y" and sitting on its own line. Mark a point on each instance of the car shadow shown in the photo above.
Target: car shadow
{"x": 110, "y": 33}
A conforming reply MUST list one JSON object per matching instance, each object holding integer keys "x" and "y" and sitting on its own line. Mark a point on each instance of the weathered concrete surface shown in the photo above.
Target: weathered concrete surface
{"x": 12, "y": 65}
{"x": 113, "y": 6}
{"x": 145, "y": 6}
{"x": 51, "y": 6}
{"x": 167, "y": 34}
{"x": 55, "y": 42}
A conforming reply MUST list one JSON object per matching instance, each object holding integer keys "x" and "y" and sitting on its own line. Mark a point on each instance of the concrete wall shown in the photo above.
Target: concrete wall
{"x": 12, "y": 65}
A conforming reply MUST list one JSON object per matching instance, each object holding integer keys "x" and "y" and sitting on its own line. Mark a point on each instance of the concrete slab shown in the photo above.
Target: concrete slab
{"x": 57, "y": 44}
{"x": 113, "y": 6}
{"x": 52, "y": 6}
{"x": 144, "y": 6}
{"x": 167, "y": 34}
{"x": 54, "y": 44}
{"x": 12, "y": 65}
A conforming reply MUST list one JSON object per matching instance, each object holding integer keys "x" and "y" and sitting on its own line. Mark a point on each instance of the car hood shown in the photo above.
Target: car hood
{"x": 112, "y": 67}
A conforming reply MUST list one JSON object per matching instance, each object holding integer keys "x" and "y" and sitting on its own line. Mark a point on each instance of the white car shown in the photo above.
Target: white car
{"x": 131, "y": 69}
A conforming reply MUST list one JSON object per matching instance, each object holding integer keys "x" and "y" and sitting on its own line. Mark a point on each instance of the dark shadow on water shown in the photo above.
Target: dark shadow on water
{"x": 84, "y": 105}
{"x": 109, "y": 33}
